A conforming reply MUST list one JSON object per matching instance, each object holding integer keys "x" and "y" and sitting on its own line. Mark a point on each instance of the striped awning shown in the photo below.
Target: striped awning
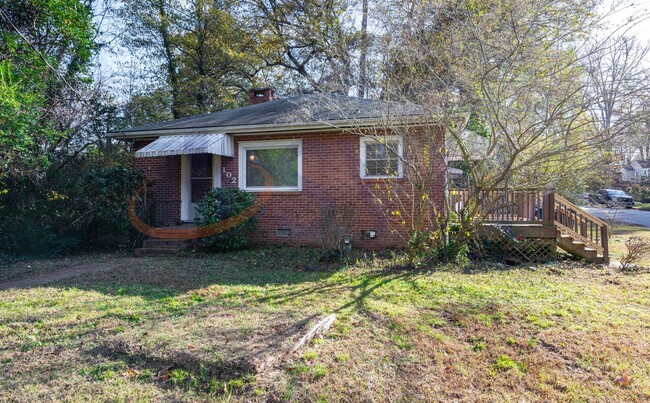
{"x": 218, "y": 144}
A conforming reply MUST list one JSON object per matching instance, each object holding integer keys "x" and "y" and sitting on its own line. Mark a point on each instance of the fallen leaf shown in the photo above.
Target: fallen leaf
{"x": 624, "y": 381}
{"x": 191, "y": 347}
{"x": 164, "y": 374}
{"x": 132, "y": 373}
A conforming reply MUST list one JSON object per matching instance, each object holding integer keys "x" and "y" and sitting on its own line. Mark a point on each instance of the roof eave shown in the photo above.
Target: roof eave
{"x": 268, "y": 128}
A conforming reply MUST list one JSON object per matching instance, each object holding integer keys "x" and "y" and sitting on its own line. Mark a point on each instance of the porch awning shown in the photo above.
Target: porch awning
{"x": 218, "y": 144}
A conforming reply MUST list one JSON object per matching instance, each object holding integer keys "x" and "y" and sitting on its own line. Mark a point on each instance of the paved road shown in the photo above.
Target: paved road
{"x": 630, "y": 216}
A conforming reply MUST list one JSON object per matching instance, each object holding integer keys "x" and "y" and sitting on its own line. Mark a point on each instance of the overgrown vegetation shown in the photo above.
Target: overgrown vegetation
{"x": 640, "y": 192}
{"x": 621, "y": 235}
{"x": 199, "y": 329}
{"x": 218, "y": 205}
{"x": 335, "y": 227}
{"x": 77, "y": 207}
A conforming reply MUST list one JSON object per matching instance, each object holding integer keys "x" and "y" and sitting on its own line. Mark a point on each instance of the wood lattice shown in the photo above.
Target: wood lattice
{"x": 499, "y": 246}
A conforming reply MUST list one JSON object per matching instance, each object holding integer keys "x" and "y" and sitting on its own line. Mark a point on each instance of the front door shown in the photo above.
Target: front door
{"x": 199, "y": 173}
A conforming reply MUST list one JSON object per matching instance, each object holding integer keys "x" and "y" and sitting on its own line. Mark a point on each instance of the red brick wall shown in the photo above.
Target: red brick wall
{"x": 330, "y": 176}
{"x": 165, "y": 173}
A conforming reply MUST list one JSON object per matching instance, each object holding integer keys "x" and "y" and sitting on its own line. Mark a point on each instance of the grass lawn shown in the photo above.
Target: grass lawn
{"x": 642, "y": 206}
{"x": 196, "y": 329}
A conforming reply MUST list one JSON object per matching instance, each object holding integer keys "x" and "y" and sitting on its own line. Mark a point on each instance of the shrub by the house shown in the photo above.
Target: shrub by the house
{"x": 218, "y": 205}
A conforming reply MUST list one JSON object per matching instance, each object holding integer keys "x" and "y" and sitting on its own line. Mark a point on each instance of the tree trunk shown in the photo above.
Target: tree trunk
{"x": 172, "y": 73}
{"x": 361, "y": 93}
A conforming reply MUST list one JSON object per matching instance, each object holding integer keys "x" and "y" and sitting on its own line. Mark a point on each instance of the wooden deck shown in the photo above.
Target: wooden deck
{"x": 540, "y": 214}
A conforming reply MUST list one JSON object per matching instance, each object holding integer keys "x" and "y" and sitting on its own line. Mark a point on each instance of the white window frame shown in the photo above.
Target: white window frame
{"x": 364, "y": 140}
{"x": 268, "y": 145}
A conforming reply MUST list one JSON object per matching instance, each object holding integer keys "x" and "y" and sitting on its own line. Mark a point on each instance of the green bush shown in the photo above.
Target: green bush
{"x": 218, "y": 205}
{"x": 435, "y": 247}
{"x": 640, "y": 192}
{"x": 80, "y": 206}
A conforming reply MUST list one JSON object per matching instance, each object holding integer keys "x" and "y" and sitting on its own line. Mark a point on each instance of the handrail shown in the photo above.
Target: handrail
{"x": 204, "y": 231}
{"x": 192, "y": 232}
{"x": 504, "y": 205}
{"x": 592, "y": 217}
{"x": 581, "y": 226}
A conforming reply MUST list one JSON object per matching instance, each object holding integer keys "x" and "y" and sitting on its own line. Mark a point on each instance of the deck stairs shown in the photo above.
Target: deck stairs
{"x": 580, "y": 233}
{"x": 577, "y": 248}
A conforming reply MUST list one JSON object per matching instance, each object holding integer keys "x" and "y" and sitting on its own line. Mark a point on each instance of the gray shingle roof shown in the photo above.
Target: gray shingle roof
{"x": 644, "y": 163}
{"x": 297, "y": 110}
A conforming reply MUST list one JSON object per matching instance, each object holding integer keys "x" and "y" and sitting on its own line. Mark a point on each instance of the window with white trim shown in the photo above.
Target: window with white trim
{"x": 381, "y": 156}
{"x": 274, "y": 165}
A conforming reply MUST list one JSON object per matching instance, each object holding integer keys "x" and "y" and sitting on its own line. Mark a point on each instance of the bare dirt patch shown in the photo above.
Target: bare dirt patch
{"x": 57, "y": 275}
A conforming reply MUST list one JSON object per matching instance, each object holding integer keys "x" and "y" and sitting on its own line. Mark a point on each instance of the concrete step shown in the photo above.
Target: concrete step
{"x": 163, "y": 247}
{"x": 157, "y": 243}
{"x": 143, "y": 252}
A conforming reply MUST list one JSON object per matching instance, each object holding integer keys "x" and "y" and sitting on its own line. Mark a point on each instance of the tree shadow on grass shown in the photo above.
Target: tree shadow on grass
{"x": 240, "y": 356}
{"x": 198, "y": 371}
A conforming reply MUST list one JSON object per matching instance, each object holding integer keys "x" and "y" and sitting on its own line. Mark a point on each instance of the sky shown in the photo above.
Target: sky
{"x": 631, "y": 17}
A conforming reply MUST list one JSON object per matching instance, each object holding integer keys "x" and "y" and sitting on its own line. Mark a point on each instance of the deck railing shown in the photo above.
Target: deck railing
{"x": 506, "y": 206}
{"x": 539, "y": 207}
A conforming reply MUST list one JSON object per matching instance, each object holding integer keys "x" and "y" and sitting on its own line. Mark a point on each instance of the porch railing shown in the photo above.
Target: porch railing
{"x": 540, "y": 207}
{"x": 506, "y": 206}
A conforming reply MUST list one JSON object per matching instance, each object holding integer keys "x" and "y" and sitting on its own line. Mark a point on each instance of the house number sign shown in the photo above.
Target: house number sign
{"x": 230, "y": 177}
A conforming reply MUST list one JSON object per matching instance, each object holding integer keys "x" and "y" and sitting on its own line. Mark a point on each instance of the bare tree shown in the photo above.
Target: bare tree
{"x": 149, "y": 34}
{"x": 618, "y": 84}
{"x": 363, "y": 50}
{"x": 311, "y": 40}
{"x": 505, "y": 82}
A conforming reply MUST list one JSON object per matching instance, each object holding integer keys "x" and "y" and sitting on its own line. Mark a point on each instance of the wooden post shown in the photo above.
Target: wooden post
{"x": 604, "y": 239}
{"x": 548, "y": 209}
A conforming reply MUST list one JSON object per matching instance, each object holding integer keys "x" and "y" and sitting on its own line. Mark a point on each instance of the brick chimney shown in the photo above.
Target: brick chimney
{"x": 259, "y": 95}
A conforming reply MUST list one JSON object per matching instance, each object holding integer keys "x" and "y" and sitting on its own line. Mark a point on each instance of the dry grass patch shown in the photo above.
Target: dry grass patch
{"x": 623, "y": 232}
{"x": 202, "y": 329}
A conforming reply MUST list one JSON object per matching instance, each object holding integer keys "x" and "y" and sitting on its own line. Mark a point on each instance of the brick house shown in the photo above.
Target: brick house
{"x": 320, "y": 151}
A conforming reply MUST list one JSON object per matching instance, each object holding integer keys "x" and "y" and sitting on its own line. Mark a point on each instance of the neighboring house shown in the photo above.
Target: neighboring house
{"x": 628, "y": 174}
{"x": 476, "y": 147}
{"x": 311, "y": 145}
{"x": 642, "y": 168}
{"x": 636, "y": 171}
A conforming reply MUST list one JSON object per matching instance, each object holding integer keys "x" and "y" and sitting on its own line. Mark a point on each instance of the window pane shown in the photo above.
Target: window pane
{"x": 382, "y": 168}
{"x": 382, "y": 159}
{"x": 201, "y": 165}
{"x": 199, "y": 188}
{"x": 374, "y": 151}
{"x": 281, "y": 163}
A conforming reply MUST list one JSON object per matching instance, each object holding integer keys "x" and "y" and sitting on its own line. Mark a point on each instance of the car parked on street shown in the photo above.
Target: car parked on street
{"x": 615, "y": 198}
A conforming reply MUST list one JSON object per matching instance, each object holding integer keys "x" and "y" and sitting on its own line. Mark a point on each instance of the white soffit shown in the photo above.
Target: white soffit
{"x": 218, "y": 144}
